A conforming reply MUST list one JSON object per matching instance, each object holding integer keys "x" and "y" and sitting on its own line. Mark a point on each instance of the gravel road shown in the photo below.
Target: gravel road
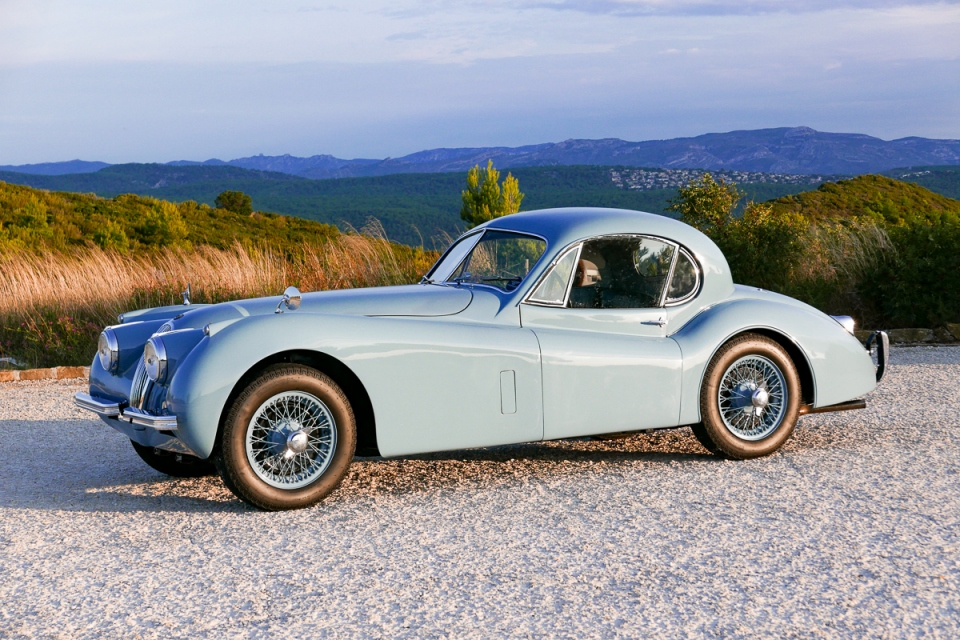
{"x": 852, "y": 530}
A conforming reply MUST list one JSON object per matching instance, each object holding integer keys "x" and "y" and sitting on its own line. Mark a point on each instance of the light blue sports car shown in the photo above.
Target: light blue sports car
{"x": 541, "y": 325}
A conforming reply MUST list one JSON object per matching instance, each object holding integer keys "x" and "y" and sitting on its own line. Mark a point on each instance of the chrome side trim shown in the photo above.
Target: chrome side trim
{"x": 850, "y": 405}
{"x": 130, "y": 414}
{"x": 144, "y": 419}
{"x": 846, "y": 322}
{"x": 88, "y": 402}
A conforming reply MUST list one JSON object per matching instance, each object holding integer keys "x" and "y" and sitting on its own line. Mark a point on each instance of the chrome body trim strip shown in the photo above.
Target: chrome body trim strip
{"x": 88, "y": 402}
{"x": 846, "y": 322}
{"x": 850, "y": 405}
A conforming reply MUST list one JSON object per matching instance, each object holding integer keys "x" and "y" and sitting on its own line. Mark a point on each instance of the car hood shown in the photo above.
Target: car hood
{"x": 417, "y": 300}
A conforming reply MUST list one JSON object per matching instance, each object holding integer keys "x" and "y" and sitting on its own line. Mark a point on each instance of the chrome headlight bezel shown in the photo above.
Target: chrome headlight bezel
{"x": 155, "y": 360}
{"x": 108, "y": 350}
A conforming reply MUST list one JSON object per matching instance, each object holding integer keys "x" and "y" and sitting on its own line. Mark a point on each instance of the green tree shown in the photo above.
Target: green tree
{"x": 707, "y": 204}
{"x": 485, "y": 198}
{"x": 763, "y": 246}
{"x": 162, "y": 225}
{"x": 236, "y": 201}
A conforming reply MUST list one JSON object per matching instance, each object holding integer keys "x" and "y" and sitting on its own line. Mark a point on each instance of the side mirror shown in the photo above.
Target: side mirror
{"x": 291, "y": 299}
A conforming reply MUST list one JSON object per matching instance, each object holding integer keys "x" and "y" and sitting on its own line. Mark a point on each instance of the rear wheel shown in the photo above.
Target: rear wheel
{"x": 288, "y": 439}
{"x": 178, "y": 465}
{"x": 749, "y": 400}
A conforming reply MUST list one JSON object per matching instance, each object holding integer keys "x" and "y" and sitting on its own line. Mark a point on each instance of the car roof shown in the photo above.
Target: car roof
{"x": 563, "y": 226}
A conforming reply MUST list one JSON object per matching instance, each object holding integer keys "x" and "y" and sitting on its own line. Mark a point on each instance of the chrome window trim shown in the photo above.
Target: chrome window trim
{"x": 489, "y": 286}
{"x": 672, "y": 302}
{"x": 664, "y": 302}
{"x": 576, "y": 246}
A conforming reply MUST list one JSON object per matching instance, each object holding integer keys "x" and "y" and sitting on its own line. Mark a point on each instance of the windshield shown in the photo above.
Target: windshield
{"x": 500, "y": 260}
{"x": 452, "y": 258}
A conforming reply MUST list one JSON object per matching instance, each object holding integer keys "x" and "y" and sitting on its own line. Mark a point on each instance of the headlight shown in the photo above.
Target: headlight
{"x": 155, "y": 360}
{"x": 108, "y": 350}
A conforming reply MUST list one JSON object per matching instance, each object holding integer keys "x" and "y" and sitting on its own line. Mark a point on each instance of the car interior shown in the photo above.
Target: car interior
{"x": 621, "y": 273}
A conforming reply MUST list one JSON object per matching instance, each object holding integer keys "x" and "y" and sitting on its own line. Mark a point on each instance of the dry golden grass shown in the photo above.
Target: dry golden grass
{"x": 92, "y": 277}
{"x": 53, "y": 305}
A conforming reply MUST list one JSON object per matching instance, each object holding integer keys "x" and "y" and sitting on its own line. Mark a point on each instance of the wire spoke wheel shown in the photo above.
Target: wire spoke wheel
{"x": 291, "y": 439}
{"x": 752, "y": 397}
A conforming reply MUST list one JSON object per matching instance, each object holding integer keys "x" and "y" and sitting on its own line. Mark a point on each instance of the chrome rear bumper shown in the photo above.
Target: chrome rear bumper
{"x": 128, "y": 414}
{"x": 882, "y": 342}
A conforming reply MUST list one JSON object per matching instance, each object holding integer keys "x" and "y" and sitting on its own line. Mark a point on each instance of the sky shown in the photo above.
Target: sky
{"x": 154, "y": 81}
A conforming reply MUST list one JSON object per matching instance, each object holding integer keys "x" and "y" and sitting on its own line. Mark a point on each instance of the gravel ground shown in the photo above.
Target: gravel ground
{"x": 853, "y": 529}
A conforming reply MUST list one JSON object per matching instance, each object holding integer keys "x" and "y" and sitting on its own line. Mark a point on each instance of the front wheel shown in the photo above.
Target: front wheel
{"x": 749, "y": 400}
{"x": 288, "y": 439}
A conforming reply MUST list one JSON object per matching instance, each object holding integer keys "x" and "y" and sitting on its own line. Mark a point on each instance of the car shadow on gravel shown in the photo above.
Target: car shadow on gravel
{"x": 83, "y": 465}
{"x": 95, "y": 470}
{"x": 76, "y": 465}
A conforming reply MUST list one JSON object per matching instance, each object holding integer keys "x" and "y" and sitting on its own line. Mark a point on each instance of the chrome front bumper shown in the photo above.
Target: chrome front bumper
{"x": 127, "y": 414}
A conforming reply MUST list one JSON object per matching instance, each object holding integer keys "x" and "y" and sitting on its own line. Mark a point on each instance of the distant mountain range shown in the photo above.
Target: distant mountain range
{"x": 785, "y": 150}
{"x": 56, "y": 168}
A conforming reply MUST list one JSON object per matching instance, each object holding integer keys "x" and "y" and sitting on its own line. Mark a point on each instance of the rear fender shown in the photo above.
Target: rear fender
{"x": 840, "y": 367}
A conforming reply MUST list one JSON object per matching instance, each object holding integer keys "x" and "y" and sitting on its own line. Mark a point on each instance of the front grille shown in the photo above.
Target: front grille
{"x": 141, "y": 385}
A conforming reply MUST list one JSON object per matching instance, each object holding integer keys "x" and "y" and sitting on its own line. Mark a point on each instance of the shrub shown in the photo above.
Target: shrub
{"x": 885, "y": 252}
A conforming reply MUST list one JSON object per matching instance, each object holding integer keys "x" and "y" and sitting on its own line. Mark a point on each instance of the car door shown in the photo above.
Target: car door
{"x": 600, "y": 319}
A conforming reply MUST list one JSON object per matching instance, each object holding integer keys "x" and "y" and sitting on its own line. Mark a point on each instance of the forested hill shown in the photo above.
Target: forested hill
{"x": 33, "y": 220}
{"x": 413, "y": 208}
{"x": 877, "y": 198}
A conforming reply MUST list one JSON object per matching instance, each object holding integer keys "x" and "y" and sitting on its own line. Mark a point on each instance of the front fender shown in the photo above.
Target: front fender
{"x": 204, "y": 380}
{"x": 841, "y": 367}
{"x": 411, "y": 368}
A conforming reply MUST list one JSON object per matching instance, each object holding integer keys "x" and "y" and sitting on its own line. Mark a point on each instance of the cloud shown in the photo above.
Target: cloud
{"x": 716, "y": 7}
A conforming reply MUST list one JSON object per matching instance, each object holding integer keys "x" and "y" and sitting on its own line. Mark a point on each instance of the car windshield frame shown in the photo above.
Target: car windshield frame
{"x": 525, "y": 279}
{"x": 470, "y": 239}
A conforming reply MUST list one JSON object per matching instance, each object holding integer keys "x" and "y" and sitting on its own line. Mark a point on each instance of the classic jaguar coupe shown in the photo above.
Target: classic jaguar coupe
{"x": 537, "y": 326}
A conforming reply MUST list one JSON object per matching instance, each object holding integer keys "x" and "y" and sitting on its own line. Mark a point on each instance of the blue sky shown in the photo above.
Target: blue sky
{"x": 148, "y": 81}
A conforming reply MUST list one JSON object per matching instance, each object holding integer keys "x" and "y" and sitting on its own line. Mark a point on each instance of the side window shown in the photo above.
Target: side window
{"x": 621, "y": 272}
{"x": 553, "y": 288}
{"x": 686, "y": 278}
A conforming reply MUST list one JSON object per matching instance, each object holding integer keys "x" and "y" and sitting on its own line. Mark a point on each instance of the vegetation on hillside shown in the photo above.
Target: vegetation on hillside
{"x": 36, "y": 220}
{"x": 416, "y": 209}
{"x": 69, "y": 263}
{"x": 944, "y": 180}
{"x": 873, "y": 198}
{"x": 884, "y": 251}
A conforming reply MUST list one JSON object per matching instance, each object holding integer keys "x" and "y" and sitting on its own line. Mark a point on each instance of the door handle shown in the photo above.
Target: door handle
{"x": 660, "y": 322}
